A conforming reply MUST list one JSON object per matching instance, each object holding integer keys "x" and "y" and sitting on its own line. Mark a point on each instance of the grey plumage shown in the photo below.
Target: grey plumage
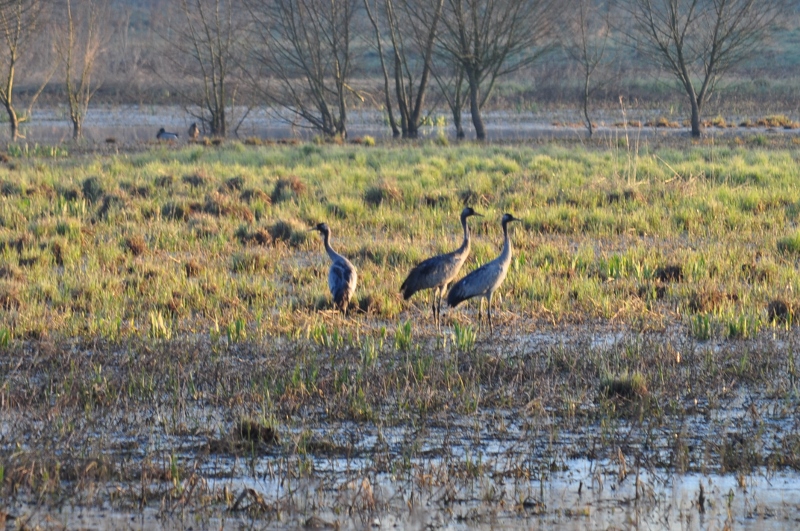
{"x": 439, "y": 271}
{"x": 342, "y": 276}
{"x": 164, "y": 135}
{"x": 486, "y": 279}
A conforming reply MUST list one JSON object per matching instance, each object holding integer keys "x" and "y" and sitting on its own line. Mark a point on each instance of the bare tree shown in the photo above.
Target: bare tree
{"x": 411, "y": 27}
{"x": 450, "y": 78}
{"x": 699, "y": 41}
{"x": 209, "y": 34}
{"x": 492, "y": 38}
{"x": 585, "y": 41}
{"x": 19, "y": 22}
{"x": 304, "y": 52}
{"x": 80, "y": 41}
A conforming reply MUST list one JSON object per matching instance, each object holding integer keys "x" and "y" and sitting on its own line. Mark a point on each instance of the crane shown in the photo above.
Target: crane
{"x": 164, "y": 135}
{"x": 342, "y": 276}
{"x": 439, "y": 271}
{"x": 485, "y": 280}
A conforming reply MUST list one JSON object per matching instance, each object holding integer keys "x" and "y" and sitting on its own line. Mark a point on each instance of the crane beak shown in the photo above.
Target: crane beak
{"x": 476, "y": 214}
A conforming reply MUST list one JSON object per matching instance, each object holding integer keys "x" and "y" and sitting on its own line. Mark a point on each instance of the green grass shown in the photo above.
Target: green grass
{"x": 167, "y": 242}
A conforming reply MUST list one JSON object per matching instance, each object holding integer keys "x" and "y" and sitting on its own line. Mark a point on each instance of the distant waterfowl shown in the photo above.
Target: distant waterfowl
{"x": 485, "y": 280}
{"x": 439, "y": 271}
{"x": 194, "y": 131}
{"x": 342, "y": 276}
{"x": 164, "y": 135}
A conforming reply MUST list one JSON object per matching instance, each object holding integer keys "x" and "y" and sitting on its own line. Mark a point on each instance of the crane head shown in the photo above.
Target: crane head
{"x": 322, "y": 228}
{"x": 467, "y": 212}
{"x": 508, "y": 218}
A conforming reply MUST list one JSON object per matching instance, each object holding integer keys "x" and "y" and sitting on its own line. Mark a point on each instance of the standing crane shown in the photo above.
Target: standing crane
{"x": 342, "y": 276}
{"x": 439, "y": 271}
{"x": 485, "y": 280}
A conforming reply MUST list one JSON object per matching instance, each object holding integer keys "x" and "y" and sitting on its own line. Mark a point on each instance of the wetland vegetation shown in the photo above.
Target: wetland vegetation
{"x": 169, "y": 349}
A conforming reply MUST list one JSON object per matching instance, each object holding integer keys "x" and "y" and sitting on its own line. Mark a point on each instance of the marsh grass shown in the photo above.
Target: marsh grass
{"x": 202, "y": 304}
{"x": 630, "y": 234}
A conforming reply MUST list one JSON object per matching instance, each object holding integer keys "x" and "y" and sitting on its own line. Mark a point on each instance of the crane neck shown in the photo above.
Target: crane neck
{"x": 506, "y": 254}
{"x": 465, "y": 244}
{"x": 326, "y": 236}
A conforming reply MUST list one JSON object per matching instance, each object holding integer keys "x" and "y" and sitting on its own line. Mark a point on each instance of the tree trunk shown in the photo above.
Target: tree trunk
{"x": 77, "y": 128}
{"x": 457, "y": 122}
{"x": 475, "y": 106}
{"x": 586, "y": 105}
{"x": 697, "y": 130}
{"x": 13, "y": 121}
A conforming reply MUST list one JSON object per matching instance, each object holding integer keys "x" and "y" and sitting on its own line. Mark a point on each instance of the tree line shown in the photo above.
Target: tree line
{"x": 306, "y": 59}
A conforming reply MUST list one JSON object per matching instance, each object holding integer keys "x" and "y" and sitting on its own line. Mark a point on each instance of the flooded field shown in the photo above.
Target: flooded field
{"x": 132, "y": 124}
{"x": 259, "y": 435}
{"x": 170, "y": 356}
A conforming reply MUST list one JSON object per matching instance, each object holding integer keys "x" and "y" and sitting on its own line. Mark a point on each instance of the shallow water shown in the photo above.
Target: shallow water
{"x": 131, "y": 124}
{"x": 495, "y": 469}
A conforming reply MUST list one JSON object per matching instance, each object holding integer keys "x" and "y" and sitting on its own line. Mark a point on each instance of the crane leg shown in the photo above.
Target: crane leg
{"x": 442, "y": 292}
{"x": 489, "y": 314}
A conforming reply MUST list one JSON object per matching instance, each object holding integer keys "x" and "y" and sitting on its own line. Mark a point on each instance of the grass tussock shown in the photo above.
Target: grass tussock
{"x": 136, "y": 245}
{"x": 624, "y": 386}
{"x": 196, "y": 180}
{"x": 288, "y": 189}
{"x": 383, "y": 192}
{"x": 289, "y": 231}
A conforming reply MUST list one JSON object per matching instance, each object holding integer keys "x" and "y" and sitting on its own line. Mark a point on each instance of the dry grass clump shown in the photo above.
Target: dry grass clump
{"x": 259, "y": 236}
{"x": 70, "y": 193}
{"x": 290, "y": 232}
{"x": 624, "y": 386}
{"x": 192, "y": 268}
{"x": 706, "y": 301}
{"x": 385, "y": 191}
{"x": 290, "y": 188}
{"x": 10, "y": 295}
{"x": 10, "y": 188}
{"x": 60, "y": 250}
{"x": 136, "y": 245}
{"x": 469, "y": 196}
{"x": 249, "y": 262}
{"x": 178, "y": 210}
{"x": 250, "y": 195}
{"x": 754, "y": 273}
{"x": 234, "y": 184}
{"x": 256, "y": 432}
{"x": 111, "y": 203}
{"x": 780, "y": 311}
{"x": 669, "y": 273}
{"x": 625, "y": 195}
{"x": 92, "y": 189}
{"x": 196, "y": 180}
{"x": 203, "y": 225}
{"x": 776, "y": 120}
{"x": 662, "y": 121}
{"x": 370, "y": 304}
{"x": 11, "y": 272}
{"x": 790, "y": 244}
{"x": 219, "y": 205}
{"x": 164, "y": 181}
{"x": 438, "y": 201}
